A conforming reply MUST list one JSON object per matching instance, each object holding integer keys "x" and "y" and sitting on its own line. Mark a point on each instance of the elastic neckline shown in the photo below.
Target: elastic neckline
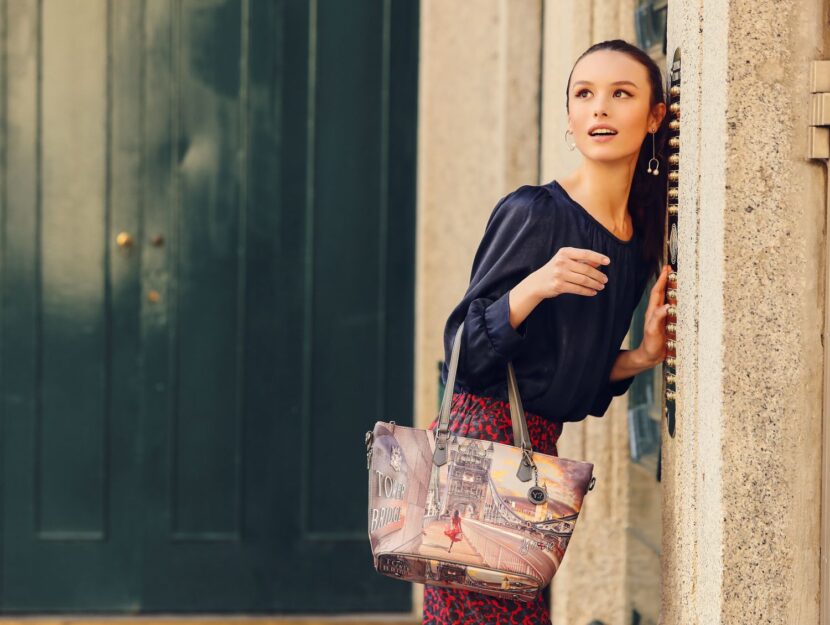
{"x": 630, "y": 241}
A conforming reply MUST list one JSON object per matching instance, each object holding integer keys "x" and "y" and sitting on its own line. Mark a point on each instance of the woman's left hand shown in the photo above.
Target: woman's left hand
{"x": 653, "y": 346}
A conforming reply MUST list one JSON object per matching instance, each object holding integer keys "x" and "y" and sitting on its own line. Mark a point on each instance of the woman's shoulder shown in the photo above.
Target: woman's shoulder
{"x": 531, "y": 195}
{"x": 527, "y": 202}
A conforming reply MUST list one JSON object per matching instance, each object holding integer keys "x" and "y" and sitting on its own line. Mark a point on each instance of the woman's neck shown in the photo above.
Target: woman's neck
{"x": 603, "y": 191}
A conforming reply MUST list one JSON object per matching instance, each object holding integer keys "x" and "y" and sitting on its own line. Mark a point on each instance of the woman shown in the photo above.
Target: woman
{"x": 454, "y": 530}
{"x": 555, "y": 282}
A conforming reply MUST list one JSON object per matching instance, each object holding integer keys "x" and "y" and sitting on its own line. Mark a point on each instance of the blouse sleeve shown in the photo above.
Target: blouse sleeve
{"x": 609, "y": 390}
{"x": 517, "y": 240}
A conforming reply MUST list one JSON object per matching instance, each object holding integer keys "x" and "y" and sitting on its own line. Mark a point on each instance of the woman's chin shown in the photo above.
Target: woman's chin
{"x": 607, "y": 153}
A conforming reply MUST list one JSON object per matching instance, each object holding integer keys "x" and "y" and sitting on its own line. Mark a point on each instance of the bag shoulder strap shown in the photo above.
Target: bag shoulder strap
{"x": 521, "y": 438}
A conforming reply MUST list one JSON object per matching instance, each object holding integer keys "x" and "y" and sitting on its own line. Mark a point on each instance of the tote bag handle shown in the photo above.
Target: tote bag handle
{"x": 521, "y": 438}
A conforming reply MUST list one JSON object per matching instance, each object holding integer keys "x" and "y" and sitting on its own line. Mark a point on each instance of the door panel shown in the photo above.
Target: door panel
{"x": 350, "y": 322}
{"x": 69, "y": 409}
{"x": 200, "y": 552}
{"x": 207, "y": 298}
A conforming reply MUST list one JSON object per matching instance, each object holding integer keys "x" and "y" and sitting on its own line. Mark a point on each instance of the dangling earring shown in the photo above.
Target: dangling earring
{"x": 570, "y": 147}
{"x": 656, "y": 170}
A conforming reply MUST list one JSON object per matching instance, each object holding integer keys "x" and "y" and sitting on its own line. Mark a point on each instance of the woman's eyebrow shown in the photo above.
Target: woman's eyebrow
{"x": 617, "y": 82}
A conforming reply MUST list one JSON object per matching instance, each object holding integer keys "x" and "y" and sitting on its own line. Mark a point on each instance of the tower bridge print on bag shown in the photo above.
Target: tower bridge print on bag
{"x": 474, "y": 523}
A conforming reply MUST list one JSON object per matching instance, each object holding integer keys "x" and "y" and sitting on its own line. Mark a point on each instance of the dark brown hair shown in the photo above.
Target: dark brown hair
{"x": 647, "y": 199}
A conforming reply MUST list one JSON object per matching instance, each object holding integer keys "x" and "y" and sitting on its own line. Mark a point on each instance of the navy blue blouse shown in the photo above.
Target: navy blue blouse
{"x": 563, "y": 352}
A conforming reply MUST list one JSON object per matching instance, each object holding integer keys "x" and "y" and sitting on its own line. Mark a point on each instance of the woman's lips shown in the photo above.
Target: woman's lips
{"x": 602, "y": 138}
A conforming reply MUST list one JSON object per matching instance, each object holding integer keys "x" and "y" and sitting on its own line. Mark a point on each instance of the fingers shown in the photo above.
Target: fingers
{"x": 580, "y": 290}
{"x": 661, "y": 313}
{"x": 580, "y": 284}
{"x": 584, "y": 274}
{"x": 658, "y": 291}
{"x": 656, "y": 321}
{"x": 587, "y": 256}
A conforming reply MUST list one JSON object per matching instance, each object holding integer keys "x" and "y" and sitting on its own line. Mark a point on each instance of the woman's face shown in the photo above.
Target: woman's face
{"x": 593, "y": 98}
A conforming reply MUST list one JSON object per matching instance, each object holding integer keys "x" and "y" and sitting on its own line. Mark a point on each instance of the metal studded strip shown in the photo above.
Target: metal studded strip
{"x": 671, "y": 245}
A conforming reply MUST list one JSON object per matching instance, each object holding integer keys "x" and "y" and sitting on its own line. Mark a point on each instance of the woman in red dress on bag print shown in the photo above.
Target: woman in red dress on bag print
{"x": 454, "y": 530}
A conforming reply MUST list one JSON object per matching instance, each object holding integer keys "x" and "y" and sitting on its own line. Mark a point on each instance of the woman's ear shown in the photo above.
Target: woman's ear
{"x": 658, "y": 114}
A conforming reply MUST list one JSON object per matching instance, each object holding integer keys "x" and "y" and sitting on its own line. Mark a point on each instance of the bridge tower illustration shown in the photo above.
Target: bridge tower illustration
{"x": 468, "y": 477}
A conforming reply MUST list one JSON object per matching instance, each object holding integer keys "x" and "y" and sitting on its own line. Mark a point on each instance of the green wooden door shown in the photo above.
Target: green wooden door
{"x": 207, "y": 295}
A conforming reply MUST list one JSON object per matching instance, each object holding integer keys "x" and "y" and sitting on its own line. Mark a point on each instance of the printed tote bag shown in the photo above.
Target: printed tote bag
{"x": 470, "y": 513}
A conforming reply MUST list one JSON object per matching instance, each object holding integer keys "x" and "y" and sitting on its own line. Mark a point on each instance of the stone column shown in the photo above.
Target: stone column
{"x": 478, "y": 139}
{"x": 741, "y": 477}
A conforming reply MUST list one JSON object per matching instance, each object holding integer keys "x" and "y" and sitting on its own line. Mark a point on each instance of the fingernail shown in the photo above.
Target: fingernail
{"x": 606, "y": 260}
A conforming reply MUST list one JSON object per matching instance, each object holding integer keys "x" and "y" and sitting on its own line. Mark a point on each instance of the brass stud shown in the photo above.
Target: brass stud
{"x": 671, "y": 294}
{"x": 672, "y": 209}
{"x": 675, "y": 108}
{"x": 674, "y": 124}
{"x": 670, "y": 361}
{"x": 671, "y": 328}
{"x": 674, "y": 176}
{"x": 674, "y": 159}
{"x": 672, "y": 312}
{"x": 670, "y": 395}
{"x": 671, "y": 344}
{"x": 674, "y": 142}
{"x": 675, "y": 90}
{"x": 673, "y": 193}
{"x": 670, "y": 378}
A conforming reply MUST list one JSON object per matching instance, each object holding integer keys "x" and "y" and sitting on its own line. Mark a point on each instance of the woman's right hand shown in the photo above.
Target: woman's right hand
{"x": 571, "y": 270}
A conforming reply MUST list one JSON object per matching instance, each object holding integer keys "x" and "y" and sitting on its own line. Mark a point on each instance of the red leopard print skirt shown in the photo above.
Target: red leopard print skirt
{"x": 487, "y": 418}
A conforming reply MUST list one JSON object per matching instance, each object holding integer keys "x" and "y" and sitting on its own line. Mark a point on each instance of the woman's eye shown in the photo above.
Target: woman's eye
{"x": 581, "y": 91}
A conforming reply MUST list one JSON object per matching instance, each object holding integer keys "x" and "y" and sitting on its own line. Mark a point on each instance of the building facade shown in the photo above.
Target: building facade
{"x": 719, "y": 522}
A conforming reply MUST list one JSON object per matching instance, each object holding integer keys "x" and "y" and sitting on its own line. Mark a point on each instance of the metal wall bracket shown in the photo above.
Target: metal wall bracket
{"x": 818, "y": 137}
